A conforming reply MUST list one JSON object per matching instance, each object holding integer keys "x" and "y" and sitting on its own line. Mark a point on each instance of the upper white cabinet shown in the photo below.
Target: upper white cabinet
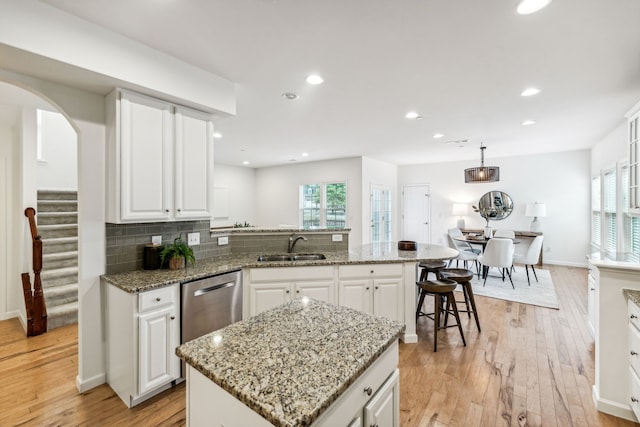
{"x": 159, "y": 160}
{"x": 634, "y": 159}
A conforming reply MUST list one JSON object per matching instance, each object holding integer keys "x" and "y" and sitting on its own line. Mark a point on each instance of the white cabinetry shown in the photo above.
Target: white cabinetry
{"x": 592, "y": 289}
{"x": 634, "y": 159}
{"x": 634, "y": 357}
{"x": 159, "y": 160}
{"x": 384, "y": 407}
{"x": 266, "y": 288}
{"x": 143, "y": 331}
{"x": 373, "y": 288}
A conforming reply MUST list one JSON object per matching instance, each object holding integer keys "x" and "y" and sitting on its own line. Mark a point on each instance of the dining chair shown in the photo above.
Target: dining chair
{"x": 530, "y": 257}
{"x": 507, "y": 234}
{"x": 498, "y": 253}
{"x": 461, "y": 246}
{"x": 464, "y": 255}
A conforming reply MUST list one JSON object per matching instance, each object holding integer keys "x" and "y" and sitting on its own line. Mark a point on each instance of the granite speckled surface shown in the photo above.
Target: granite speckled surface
{"x": 632, "y": 295}
{"x": 142, "y": 280}
{"x": 290, "y": 363}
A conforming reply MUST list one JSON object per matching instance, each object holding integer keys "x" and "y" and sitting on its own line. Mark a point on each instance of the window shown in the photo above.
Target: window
{"x": 323, "y": 205}
{"x": 630, "y": 224}
{"x": 610, "y": 208}
{"x": 596, "y": 221}
{"x": 381, "y": 215}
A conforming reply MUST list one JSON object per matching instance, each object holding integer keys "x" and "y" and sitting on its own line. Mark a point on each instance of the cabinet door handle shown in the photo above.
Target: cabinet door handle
{"x": 371, "y": 271}
{"x": 166, "y": 210}
{"x": 633, "y": 353}
{"x": 158, "y": 299}
{"x": 368, "y": 390}
{"x": 173, "y": 317}
{"x": 287, "y": 291}
{"x": 377, "y": 287}
{"x": 592, "y": 289}
{"x": 634, "y": 400}
{"x": 298, "y": 291}
{"x": 633, "y": 316}
{"x": 367, "y": 288}
{"x": 374, "y": 425}
{"x": 179, "y": 210}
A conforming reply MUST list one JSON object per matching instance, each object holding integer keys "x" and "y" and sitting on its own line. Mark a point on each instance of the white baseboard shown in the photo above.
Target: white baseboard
{"x": 565, "y": 263}
{"x": 410, "y": 338}
{"x": 88, "y": 384}
{"x": 613, "y": 408}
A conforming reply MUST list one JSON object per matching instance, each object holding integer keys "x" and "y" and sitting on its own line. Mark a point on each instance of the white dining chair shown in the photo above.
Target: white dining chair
{"x": 507, "y": 234}
{"x": 530, "y": 257}
{"x": 464, "y": 255}
{"x": 455, "y": 233}
{"x": 498, "y": 253}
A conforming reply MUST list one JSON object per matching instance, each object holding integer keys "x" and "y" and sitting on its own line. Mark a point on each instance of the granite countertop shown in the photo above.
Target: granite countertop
{"x": 143, "y": 280}
{"x": 290, "y": 363}
{"x": 632, "y": 295}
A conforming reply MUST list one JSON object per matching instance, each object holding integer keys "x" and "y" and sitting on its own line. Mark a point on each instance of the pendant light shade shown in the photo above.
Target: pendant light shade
{"x": 483, "y": 173}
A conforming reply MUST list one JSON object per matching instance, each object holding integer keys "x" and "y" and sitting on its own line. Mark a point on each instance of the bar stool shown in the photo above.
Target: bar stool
{"x": 442, "y": 290}
{"x": 431, "y": 267}
{"x": 463, "y": 277}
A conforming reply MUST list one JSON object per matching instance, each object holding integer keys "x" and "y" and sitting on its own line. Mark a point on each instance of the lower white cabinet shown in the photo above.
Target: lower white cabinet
{"x": 384, "y": 407}
{"x": 592, "y": 286}
{"x": 267, "y": 288}
{"x": 373, "y": 288}
{"x": 143, "y": 331}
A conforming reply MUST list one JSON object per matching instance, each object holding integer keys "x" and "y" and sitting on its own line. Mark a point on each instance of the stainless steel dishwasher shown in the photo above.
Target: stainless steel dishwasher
{"x": 210, "y": 304}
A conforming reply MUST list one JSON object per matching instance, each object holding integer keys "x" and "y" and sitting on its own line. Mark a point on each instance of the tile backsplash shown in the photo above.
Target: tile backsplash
{"x": 125, "y": 242}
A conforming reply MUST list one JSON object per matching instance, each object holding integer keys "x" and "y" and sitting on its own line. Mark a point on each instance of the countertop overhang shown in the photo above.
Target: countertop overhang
{"x": 290, "y": 363}
{"x": 143, "y": 280}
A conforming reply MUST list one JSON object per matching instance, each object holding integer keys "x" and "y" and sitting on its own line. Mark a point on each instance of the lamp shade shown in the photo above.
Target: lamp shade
{"x": 460, "y": 209}
{"x": 536, "y": 210}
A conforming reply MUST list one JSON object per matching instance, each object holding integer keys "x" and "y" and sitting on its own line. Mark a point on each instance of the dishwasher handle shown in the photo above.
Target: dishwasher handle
{"x": 204, "y": 291}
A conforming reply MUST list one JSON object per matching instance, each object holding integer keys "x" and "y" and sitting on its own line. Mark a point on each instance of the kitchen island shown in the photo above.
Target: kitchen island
{"x": 301, "y": 364}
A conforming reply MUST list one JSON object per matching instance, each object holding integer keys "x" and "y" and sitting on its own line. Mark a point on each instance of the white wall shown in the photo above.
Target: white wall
{"x": 8, "y": 271}
{"x": 561, "y": 180}
{"x": 611, "y": 149}
{"x": 376, "y": 172}
{"x": 59, "y": 170}
{"x": 277, "y": 190}
{"x": 235, "y": 194}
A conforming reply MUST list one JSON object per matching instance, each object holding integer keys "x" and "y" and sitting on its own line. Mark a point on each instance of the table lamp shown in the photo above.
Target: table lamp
{"x": 535, "y": 210}
{"x": 460, "y": 210}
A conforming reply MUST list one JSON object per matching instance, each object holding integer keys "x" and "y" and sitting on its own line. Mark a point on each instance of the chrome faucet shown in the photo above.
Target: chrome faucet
{"x": 292, "y": 241}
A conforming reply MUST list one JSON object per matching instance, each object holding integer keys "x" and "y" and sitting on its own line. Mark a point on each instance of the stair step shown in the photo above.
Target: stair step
{"x": 59, "y": 295}
{"x": 58, "y": 230}
{"x": 62, "y": 315}
{"x": 59, "y": 260}
{"x": 48, "y": 218}
{"x": 57, "y": 206}
{"x": 57, "y": 195}
{"x": 59, "y": 276}
{"x": 59, "y": 244}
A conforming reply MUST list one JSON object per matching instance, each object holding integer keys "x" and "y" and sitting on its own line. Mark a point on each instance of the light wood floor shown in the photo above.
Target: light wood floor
{"x": 529, "y": 366}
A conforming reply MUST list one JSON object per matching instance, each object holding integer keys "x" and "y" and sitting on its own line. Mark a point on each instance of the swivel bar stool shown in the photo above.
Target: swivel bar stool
{"x": 463, "y": 277}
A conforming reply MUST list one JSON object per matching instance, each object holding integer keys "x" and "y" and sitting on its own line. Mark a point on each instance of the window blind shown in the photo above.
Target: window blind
{"x": 609, "y": 205}
{"x": 596, "y": 223}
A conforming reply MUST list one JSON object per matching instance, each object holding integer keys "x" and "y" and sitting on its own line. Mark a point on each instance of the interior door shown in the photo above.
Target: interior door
{"x": 416, "y": 213}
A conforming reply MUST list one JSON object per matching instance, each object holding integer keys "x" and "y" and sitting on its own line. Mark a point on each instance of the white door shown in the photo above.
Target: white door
{"x": 158, "y": 340}
{"x": 416, "y": 216}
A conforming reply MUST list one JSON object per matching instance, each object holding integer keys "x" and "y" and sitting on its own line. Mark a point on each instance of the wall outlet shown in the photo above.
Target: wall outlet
{"x": 223, "y": 241}
{"x": 193, "y": 239}
{"x": 336, "y": 237}
{"x": 156, "y": 240}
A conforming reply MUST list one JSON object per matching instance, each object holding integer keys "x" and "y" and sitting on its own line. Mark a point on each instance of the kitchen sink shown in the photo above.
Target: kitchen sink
{"x": 291, "y": 257}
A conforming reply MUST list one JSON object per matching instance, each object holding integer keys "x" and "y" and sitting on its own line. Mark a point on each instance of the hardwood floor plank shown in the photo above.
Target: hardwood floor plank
{"x": 530, "y": 366}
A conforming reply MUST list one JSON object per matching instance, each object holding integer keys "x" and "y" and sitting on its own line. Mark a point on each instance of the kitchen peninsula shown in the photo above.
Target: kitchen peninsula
{"x": 306, "y": 363}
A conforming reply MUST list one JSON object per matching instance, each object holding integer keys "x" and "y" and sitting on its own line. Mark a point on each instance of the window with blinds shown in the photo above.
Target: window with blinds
{"x": 610, "y": 208}
{"x": 596, "y": 221}
{"x": 631, "y": 224}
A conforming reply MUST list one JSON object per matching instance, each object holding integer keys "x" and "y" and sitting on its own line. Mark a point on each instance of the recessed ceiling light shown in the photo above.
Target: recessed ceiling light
{"x": 290, "y": 96}
{"x": 437, "y": 135}
{"x": 528, "y": 123}
{"x": 305, "y": 154}
{"x": 246, "y": 162}
{"x": 530, "y": 91}
{"x": 291, "y": 160}
{"x": 413, "y": 115}
{"x": 217, "y": 135}
{"x": 315, "y": 79}
{"x": 526, "y": 7}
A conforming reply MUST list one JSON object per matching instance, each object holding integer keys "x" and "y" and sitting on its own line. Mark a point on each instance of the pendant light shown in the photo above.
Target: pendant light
{"x": 483, "y": 173}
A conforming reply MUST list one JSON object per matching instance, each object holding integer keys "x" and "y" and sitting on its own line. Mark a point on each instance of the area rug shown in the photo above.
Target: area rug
{"x": 541, "y": 293}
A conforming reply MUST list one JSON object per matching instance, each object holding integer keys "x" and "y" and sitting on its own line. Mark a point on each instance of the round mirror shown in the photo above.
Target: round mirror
{"x": 495, "y": 205}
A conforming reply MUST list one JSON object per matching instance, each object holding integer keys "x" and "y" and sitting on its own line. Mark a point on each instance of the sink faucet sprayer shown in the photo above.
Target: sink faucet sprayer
{"x": 292, "y": 241}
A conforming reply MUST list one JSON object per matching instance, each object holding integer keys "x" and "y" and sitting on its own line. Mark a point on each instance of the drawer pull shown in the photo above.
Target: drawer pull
{"x": 368, "y": 390}
{"x": 593, "y": 289}
{"x": 634, "y": 400}
{"x": 287, "y": 291}
{"x": 633, "y": 353}
{"x": 367, "y": 288}
{"x": 173, "y": 317}
{"x": 374, "y": 425}
{"x": 633, "y": 316}
{"x": 158, "y": 299}
{"x": 371, "y": 271}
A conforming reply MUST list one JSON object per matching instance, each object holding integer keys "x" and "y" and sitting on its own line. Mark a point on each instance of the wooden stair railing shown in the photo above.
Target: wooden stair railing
{"x": 34, "y": 298}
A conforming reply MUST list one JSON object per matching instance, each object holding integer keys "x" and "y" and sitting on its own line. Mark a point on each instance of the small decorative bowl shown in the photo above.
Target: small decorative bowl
{"x": 407, "y": 245}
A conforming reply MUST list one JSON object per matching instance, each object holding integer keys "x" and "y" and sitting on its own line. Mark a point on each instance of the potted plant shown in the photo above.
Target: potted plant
{"x": 178, "y": 254}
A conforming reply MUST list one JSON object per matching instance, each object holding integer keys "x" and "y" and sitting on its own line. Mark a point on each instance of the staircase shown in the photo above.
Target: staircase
{"x": 57, "y": 219}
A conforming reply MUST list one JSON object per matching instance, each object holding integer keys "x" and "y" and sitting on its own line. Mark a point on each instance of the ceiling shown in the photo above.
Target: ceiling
{"x": 460, "y": 64}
